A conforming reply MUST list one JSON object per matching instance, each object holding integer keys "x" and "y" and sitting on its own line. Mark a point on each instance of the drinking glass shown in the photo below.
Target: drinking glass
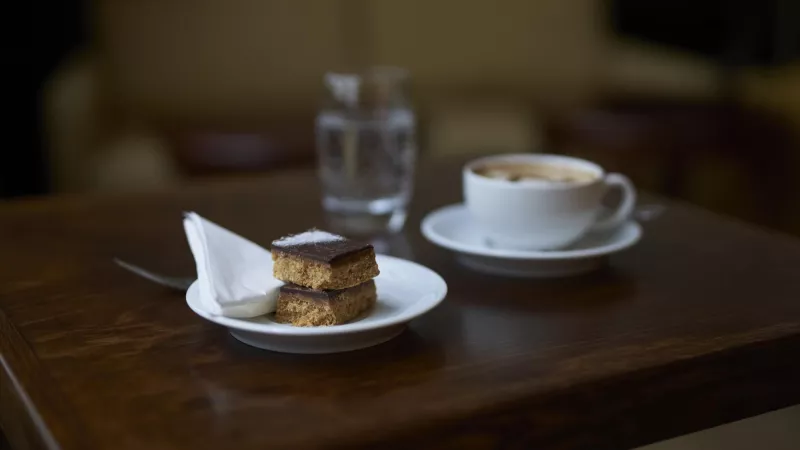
{"x": 366, "y": 151}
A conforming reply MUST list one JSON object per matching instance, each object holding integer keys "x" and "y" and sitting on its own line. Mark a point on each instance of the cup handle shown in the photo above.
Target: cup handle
{"x": 624, "y": 209}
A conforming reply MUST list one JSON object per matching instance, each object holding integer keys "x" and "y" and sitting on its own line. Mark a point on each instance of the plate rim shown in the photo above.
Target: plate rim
{"x": 427, "y": 229}
{"x": 347, "y": 328}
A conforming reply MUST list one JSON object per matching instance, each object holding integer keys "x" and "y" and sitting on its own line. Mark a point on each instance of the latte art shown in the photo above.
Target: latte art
{"x": 527, "y": 171}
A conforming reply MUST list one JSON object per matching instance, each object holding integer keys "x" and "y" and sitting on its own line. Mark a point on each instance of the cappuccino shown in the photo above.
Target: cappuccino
{"x": 537, "y": 201}
{"x": 521, "y": 171}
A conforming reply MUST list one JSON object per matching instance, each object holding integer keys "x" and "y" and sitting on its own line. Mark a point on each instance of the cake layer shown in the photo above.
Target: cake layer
{"x": 322, "y": 260}
{"x": 304, "y": 307}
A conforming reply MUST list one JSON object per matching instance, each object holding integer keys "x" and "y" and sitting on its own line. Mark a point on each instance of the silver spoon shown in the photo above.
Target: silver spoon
{"x": 177, "y": 283}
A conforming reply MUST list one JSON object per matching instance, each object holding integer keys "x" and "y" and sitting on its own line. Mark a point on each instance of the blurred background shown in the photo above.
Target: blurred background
{"x": 694, "y": 99}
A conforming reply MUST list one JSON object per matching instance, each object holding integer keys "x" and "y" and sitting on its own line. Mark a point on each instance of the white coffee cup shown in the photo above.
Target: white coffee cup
{"x": 541, "y": 214}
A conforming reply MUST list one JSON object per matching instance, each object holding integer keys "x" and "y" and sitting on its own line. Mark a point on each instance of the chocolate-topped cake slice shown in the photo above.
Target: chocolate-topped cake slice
{"x": 304, "y": 307}
{"x": 321, "y": 260}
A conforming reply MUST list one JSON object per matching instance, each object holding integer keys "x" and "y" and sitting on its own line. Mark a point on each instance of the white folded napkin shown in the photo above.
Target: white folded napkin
{"x": 234, "y": 274}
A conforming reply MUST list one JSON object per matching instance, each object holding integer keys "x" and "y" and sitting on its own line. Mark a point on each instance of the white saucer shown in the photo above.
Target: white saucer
{"x": 406, "y": 290}
{"x": 451, "y": 227}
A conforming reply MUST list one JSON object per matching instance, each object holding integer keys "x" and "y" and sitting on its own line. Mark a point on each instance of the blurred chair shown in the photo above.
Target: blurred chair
{"x": 478, "y": 126}
{"x": 169, "y": 91}
{"x": 168, "y": 77}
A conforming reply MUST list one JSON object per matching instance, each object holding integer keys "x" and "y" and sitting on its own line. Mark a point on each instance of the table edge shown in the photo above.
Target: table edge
{"x": 33, "y": 412}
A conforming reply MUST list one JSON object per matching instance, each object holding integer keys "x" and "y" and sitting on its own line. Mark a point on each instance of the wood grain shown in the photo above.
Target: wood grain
{"x": 696, "y": 326}
{"x": 33, "y": 413}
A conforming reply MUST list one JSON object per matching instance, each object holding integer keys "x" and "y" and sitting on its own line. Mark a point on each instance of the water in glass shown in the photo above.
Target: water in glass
{"x": 366, "y": 151}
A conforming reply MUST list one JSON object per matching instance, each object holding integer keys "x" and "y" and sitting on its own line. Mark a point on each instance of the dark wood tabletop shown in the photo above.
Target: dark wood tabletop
{"x": 697, "y": 325}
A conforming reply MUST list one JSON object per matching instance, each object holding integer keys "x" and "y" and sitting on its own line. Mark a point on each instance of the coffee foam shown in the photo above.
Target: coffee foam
{"x": 522, "y": 171}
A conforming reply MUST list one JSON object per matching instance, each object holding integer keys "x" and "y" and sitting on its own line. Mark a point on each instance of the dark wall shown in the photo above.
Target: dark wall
{"x": 36, "y": 48}
{"x": 732, "y": 32}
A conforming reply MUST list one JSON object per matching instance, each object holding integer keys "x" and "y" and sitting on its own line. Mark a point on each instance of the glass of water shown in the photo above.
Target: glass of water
{"x": 366, "y": 151}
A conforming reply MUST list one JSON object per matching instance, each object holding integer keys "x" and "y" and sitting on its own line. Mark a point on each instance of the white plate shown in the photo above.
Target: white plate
{"x": 406, "y": 290}
{"x": 451, "y": 227}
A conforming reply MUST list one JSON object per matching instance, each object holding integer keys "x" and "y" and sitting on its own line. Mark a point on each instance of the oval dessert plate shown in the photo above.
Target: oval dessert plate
{"x": 406, "y": 290}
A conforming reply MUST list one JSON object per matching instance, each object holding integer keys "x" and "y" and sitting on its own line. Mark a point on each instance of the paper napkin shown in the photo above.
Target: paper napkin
{"x": 234, "y": 275}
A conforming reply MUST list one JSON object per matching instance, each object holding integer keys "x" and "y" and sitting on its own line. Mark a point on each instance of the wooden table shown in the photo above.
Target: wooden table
{"x": 696, "y": 326}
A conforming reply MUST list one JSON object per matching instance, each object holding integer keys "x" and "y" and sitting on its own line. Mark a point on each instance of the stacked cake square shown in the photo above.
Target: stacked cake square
{"x": 329, "y": 278}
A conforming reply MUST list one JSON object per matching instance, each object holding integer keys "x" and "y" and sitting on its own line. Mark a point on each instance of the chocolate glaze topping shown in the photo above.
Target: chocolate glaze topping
{"x": 307, "y": 292}
{"x": 327, "y": 251}
{"x": 318, "y": 294}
